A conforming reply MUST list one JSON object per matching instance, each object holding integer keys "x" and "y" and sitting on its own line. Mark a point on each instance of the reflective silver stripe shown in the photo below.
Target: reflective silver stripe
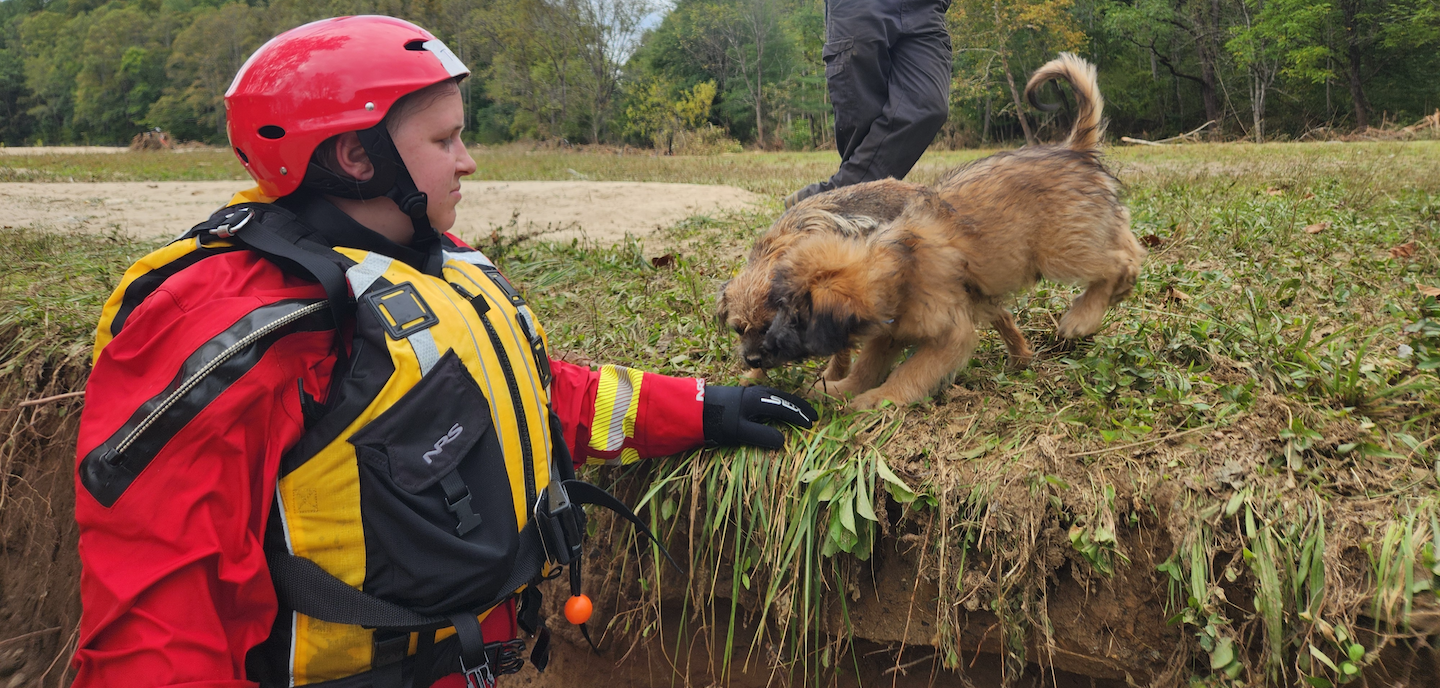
{"x": 363, "y": 275}
{"x": 471, "y": 257}
{"x": 294, "y": 633}
{"x": 289, "y": 547}
{"x": 453, "y": 66}
{"x": 615, "y": 437}
{"x": 425, "y": 350}
{"x": 529, "y": 319}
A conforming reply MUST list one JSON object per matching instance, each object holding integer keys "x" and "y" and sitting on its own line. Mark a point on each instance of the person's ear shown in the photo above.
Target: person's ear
{"x": 352, "y": 159}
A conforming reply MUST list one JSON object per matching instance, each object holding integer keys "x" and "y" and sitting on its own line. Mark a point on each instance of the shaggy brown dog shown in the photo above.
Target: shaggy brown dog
{"x": 745, "y": 305}
{"x": 948, "y": 263}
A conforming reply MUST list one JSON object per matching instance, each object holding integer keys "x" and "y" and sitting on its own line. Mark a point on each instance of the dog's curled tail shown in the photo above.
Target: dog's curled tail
{"x": 1089, "y": 125}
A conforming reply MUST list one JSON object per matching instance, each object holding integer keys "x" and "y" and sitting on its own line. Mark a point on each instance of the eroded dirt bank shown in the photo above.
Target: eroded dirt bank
{"x": 1102, "y": 631}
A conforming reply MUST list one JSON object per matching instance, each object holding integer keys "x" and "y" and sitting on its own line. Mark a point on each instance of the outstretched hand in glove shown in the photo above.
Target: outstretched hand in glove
{"x": 731, "y": 414}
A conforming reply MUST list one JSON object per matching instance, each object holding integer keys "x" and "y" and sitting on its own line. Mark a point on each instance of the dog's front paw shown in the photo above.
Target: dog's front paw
{"x": 755, "y": 376}
{"x": 1021, "y": 361}
{"x": 823, "y": 388}
{"x": 869, "y": 400}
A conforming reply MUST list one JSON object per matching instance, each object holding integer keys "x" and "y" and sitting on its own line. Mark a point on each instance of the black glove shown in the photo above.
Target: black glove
{"x": 730, "y": 414}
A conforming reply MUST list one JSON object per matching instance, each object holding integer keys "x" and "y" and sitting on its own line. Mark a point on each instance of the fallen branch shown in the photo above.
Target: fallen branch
{"x": 900, "y": 668}
{"x": 1187, "y": 137}
{"x": 46, "y": 400}
{"x": 1427, "y": 122}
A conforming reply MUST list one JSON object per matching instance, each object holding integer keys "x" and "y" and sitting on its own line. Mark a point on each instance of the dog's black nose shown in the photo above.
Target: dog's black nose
{"x": 753, "y": 361}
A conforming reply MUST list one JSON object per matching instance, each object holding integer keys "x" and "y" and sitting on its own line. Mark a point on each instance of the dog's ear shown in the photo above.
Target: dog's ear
{"x": 784, "y": 337}
{"x": 832, "y": 319}
{"x": 827, "y": 281}
{"x": 722, "y": 308}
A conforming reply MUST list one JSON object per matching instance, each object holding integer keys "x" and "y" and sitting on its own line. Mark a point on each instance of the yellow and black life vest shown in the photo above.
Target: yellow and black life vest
{"x": 432, "y": 486}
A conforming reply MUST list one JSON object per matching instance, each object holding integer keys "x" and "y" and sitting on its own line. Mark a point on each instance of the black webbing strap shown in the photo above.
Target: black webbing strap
{"x": 308, "y": 589}
{"x": 388, "y": 658}
{"x": 425, "y": 662}
{"x": 474, "y": 664}
{"x": 268, "y": 243}
{"x": 585, "y": 493}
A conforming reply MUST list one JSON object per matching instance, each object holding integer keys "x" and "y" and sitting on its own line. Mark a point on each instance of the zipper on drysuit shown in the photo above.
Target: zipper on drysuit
{"x": 482, "y": 306}
{"x": 189, "y": 384}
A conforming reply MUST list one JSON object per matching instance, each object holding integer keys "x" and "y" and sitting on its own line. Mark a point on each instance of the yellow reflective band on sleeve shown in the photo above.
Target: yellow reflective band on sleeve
{"x": 250, "y": 195}
{"x": 616, "y": 404}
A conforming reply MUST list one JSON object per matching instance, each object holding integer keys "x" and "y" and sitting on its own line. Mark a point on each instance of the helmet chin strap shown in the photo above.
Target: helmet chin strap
{"x": 391, "y": 180}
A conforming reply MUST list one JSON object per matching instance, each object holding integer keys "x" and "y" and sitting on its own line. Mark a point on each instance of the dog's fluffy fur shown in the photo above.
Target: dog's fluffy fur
{"x": 745, "y": 305}
{"x": 944, "y": 265}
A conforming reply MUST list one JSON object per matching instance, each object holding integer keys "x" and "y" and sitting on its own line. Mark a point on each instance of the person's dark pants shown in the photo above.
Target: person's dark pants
{"x": 887, "y": 63}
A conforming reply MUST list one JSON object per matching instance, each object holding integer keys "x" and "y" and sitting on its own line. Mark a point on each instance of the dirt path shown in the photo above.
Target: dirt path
{"x": 601, "y": 211}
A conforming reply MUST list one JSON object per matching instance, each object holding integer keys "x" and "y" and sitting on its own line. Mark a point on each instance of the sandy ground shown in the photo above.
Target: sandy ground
{"x": 600, "y": 211}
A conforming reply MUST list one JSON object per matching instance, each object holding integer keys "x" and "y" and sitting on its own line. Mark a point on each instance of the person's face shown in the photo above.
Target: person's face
{"x": 429, "y": 141}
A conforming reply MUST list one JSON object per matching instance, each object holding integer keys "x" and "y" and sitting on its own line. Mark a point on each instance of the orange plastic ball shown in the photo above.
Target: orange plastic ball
{"x": 577, "y": 609}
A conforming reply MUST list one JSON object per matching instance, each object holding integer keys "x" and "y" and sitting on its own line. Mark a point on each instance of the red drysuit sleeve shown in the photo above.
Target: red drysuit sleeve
{"x": 174, "y": 582}
{"x": 618, "y": 415}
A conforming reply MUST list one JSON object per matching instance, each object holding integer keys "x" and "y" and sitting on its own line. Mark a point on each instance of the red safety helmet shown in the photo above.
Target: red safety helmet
{"x": 322, "y": 79}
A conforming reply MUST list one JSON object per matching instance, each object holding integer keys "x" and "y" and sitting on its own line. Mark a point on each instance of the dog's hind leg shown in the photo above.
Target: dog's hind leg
{"x": 1020, "y": 353}
{"x": 1085, "y": 314}
{"x": 918, "y": 376}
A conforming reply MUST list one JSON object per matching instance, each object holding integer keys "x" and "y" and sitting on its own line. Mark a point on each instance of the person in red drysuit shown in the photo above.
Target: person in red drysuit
{"x": 175, "y": 585}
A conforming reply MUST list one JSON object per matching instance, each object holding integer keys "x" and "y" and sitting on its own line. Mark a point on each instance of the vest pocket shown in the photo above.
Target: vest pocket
{"x": 435, "y": 497}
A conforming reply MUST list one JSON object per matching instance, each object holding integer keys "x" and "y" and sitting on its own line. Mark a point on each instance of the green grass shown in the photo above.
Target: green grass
{"x": 206, "y": 164}
{"x": 1263, "y": 408}
{"x": 1299, "y": 364}
{"x": 51, "y": 293}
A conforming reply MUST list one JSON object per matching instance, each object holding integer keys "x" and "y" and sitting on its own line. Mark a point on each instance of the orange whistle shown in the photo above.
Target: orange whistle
{"x": 578, "y": 609}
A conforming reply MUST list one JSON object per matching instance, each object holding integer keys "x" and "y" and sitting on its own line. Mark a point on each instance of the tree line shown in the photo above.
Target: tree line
{"x": 644, "y": 71}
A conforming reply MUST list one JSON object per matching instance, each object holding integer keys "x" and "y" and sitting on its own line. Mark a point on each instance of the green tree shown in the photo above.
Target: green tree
{"x": 658, "y": 112}
{"x": 1007, "y": 35}
{"x": 203, "y": 60}
{"x": 121, "y": 72}
{"x": 751, "y": 49}
{"x": 1175, "y": 32}
{"x": 50, "y": 43}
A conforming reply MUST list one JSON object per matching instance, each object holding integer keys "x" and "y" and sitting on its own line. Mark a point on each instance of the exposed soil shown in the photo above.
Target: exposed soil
{"x": 604, "y": 212}
{"x": 39, "y": 566}
{"x": 1101, "y": 631}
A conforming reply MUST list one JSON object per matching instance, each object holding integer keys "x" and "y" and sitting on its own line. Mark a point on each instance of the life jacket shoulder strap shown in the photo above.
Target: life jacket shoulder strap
{"x": 278, "y": 236}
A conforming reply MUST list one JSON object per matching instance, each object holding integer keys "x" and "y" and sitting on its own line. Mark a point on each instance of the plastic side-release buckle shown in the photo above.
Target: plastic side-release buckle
{"x": 561, "y": 523}
{"x": 479, "y": 677}
{"x": 509, "y": 657}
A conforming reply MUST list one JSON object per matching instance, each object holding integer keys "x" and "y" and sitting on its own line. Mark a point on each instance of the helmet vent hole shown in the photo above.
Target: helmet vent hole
{"x": 416, "y": 44}
{"x": 271, "y": 132}
{"x": 243, "y": 157}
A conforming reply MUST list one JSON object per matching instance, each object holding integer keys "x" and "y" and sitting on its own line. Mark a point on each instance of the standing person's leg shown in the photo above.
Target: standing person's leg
{"x": 917, "y": 106}
{"x": 858, "y": 34}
